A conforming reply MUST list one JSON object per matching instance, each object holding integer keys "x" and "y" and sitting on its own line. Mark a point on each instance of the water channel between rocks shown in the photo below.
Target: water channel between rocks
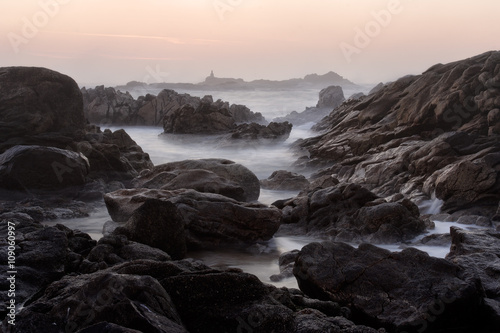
{"x": 260, "y": 259}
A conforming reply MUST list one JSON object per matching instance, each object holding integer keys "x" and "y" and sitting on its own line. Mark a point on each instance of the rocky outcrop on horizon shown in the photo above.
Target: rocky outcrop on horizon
{"x": 212, "y": 82}
{"x": 434, "y": 133}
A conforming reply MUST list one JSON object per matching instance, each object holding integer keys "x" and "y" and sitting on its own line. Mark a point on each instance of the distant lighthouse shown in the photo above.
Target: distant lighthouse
{"x": 212, "y": 74}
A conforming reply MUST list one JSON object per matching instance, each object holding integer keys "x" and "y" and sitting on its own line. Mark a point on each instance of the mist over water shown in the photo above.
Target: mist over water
{"x": 263, "y": 160}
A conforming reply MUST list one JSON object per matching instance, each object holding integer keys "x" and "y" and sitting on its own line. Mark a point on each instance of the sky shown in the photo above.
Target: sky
{"x": 113, "y": 42}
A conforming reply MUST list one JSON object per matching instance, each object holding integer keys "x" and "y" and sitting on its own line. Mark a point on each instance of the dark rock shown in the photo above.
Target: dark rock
{"x": 227, "y": 302}
{"x": 349, "y": 212}
{"x": 105, "y": 327}
{"x": 159, "y": 224}
{"x": 43, "y": 254}
{"x": 77, "y": 302}
{"x": 286, "y": 263}
{"x": 478, "y": 252}
{"x": 377, "y": 88}
{"x": 210, "y": 220}
{"x": 283, "y": 180}
{"x": 116, "y": 249}
{"x": 247, "y": 133}
{"x": 38, "y": 100}
{"x": 398, "y": 290}
{"x": 113, "y": 155}
{"x": 331, "y": 97}
{"x": 202, "y": 116}
{"x": 222, "y": 177}
{"x": 56, "y": 169}
{"x": 313, "y": 321}
{"x": 108, "y": 106}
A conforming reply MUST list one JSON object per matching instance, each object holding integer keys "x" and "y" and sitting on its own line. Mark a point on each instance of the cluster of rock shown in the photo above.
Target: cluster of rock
{"x": 46, "y": 144}
{"x": 182, "y": 114}
{"x": 436, "y": 133}
{"x": 329, "y": 99}
{"x": 170, "y": 109}
{"x": 431, "y": 133}
{"x": 71, "y": 283}
{"x": 408, "y": 291}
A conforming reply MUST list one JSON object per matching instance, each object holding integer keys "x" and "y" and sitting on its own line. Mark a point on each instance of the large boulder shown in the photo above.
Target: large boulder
{"x": 38, "y": 100}
{"x": 350, "y": 212}
{"x": 218, "y": 176}
{"x": 415, "y": 135}
{"x": 78, "y": 302}
{"x": 478, "y": 252}
{"x": 176, "y": 219}
{"x": 42, "y": 169}
{"x": 331, "y": 97}
{"x": 43, "y": 109}
{"x": 402, "y": 291}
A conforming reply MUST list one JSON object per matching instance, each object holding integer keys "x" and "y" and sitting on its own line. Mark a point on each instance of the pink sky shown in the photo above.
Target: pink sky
{"x": 113, "y": 42}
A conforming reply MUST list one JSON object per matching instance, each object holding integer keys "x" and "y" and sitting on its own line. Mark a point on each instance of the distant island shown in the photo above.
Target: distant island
{"x": 212, "y": 82}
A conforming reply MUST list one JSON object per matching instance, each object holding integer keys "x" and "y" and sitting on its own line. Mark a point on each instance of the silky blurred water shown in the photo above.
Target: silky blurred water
{"x": 262, "y": 259}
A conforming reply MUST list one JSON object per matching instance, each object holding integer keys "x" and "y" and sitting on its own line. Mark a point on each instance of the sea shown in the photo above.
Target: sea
{"x": 261, "y": 259}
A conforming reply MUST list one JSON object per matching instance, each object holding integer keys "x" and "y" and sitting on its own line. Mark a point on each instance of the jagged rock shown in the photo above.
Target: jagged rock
{"x": 43, "y": 254}
{"x": 411, "y": 135}
{"x": 37, "y": 100}
{"x": 349, "y": 212}
{"x": 402, "y": 291}
{"x": 219, "y": 176}
{"x": 42, "y": 169}
{"x": 330, "y": 97}
{"x": 478, "y": 252}
{"x": 283, "y": 180}
{"x": 113, "y": 155}
{"x": 77, "y": 302}
{"x": 209, "y": 220}
{"x": 116, "y": 249}
{"x": 377, "y": 88}
{"x": 108, "y": 106}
